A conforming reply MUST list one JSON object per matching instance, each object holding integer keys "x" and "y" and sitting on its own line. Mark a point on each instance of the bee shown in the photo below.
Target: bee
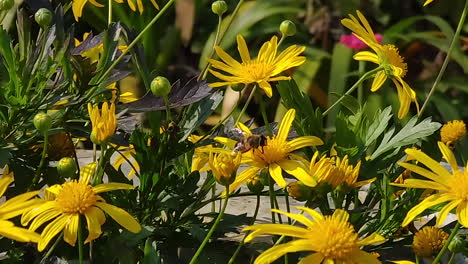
{"x": 248, "y": 142}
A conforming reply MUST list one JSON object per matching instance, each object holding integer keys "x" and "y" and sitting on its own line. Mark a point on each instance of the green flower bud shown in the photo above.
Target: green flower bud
{"x": 288, "y": 28}
{"x": 43, "y": 17}
{"x": 237, "y": 87}
{"x": 160, "y": 86}
{"x": 66, "y": 167}
{"x": 299, "y": 191}
{"x": 255, "y": 185}
{"x": 219, "y": 7}
{"x": 457, "y": 245}
{"x": 6, "y": 4}
{"x": 42, "y": 122}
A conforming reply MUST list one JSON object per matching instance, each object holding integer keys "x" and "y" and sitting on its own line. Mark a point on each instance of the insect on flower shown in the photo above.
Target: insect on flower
{"x": 248, "y": 142}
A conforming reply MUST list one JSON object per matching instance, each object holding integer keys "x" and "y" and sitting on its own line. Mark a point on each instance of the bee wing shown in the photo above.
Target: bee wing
{"x": 274, "y": 127}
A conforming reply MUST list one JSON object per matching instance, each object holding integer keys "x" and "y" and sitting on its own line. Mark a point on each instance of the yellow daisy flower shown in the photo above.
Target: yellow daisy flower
{"x": 78, "y": 5}
{"x": 201, "y": 157}
{"x": 428, "y": 241}
{"x": 331, "y": 238}
{"x": 386, "y": 56}
{"x": 261, "y": 70}
{"x": 104, "y": 122}
{"x": 452, "y": 131}
{"x": 68, "y": 202}
{"x": 452, "y": 186}
{"x": 224, "y": 167}
{"x": 14, "y": 207}
{"x": 277, "y": 156}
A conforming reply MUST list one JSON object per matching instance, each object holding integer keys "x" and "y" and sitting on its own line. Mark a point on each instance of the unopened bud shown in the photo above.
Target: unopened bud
{"x": 238, "y": 87}
{"x": 288, "y": 28}
{"x": 66, "y": 167}
{"x": 456, "y": 245}
{"x": 254, "y": 184}
{"x": 160, "y": 86}
{"x": 6, "y": 4}
{"x": 299, "y": 191}
{"x": 42, "y": 122}
{"x": 219, "y": 7}
{"x": 43, "y": 17}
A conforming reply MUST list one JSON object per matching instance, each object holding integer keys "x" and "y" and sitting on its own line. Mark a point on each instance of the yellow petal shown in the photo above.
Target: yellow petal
{"x": 275, "y": 229}
{"x": 423, "y": 172}
{"x": 367, "y": 56}
{"x": 378, "y": 81}
{"x": 444, "y": 175}
{"x": 87, "y": 172}
{"x": 276, "y": 252}
{"x": 28, "y": 216}
{"x": 227, "y": 58}
{"x": 374, "y": 238}
{"x": 448, "y": 156}
{"x": 120, "y": 216}
{"x": 462, "y": 213}
{"x": 305, "y": 141}
{"x": 266, "y": 87}
{"x": 285, "y": 125}
{"x": 315, "y": 258}
{"x": 277, "y": 174}
{"x": 44, "y": 217}
{"x": 423, "y": 184}
{"x": 70, "y": 231}
{"x": 314, "y": 214}
{"x": 241, "y": 178}
{"x": 426, "y": 203}
{"x": 298, "y": 217}
{"x": 9, "y": 230}
{"x": 242, "y": 48}
{"x": 445, "y": 210}
{"x": 111, "y": 186}
{"x": 94, "y": 218}
{"x": 296, "y": 170}
{"x": 51, "y": 230}
{"x": 364, "y": 257}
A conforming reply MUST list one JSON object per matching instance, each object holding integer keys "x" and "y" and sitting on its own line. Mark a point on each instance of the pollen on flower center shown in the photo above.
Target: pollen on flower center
{"x": 75, "y": 197}
{"x": 459, "y": 185}
{"x": 258, "y": 70}
{"x": 273, "y": 152}
{"x": 334, "y": 239}
{"x": 390, "y": 55}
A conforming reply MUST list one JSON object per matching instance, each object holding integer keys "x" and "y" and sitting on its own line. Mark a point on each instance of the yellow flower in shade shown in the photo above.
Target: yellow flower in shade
{"x": 14, "y": 207}
{"x": 277, "y": 156}
{"x": 104, "y": 122}
{"x": 387, "y": 57}
{"x": 261, "y": 70}
{"x": 78, "y": 5}
{"x": 331, "y": 238}
{"x": 68, "y": 202}
{"x": 224, "y": 167}
{"x": 452, "y": 186}
{"x": 428, "y": 2}
{"x": 428, "y": 241}
{"x": 452, "y": 131}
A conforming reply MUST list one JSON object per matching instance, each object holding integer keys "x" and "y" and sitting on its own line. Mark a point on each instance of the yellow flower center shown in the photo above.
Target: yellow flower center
{"x": 334, "y": 239}
{"x": 257, "y": 71}
{"x": 390, "y": 56}
{"x": 429, "y": 241}
{"x": 76, "y": 197}
{"x": 274, "y": 151}
{"x": 452, "y": 131}
{"x": 459, "y": 185}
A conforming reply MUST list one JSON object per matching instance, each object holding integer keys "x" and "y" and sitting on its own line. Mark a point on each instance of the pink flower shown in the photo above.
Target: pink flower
{"x": 354, "y": 43}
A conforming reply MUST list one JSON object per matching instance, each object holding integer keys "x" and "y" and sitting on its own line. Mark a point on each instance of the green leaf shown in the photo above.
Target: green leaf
{"x": 378, "y": 126}
{"x": 409, "y": 134}
{"x": 151, "y": 255}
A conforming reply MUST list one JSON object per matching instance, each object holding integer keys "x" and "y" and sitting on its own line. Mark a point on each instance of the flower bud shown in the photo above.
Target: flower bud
{"x": 219, "y": 7}
{"x": 238, "y": 87}
{"x": 299, "y": 191}
{"x": 224, "y": 167}
{"x": 288, "y": 28}
{"x": 42, "y": 122}
{"x": 43, "y": 17}
{"x": 66, "y": 167}
{"x": 456, "y": 245}
{"x": 160, "y": 86}
{"x": 254, "y": 184}
{"x": 6, "y": 4}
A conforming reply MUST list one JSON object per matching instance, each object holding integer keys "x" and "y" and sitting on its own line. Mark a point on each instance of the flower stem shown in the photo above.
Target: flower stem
{"x": 362, "y": 68}
{"x": 212, "y": 229}
{"x": 241, "y": 244}
{"x": 452, "y": 235}
{"x": 109, "y": 14}
{"x": 202, "y": 74}
{"x": 452, "y": 258}
{"x": 455, "y": 39}
{"x": 265, "y": 117}
{"x": 41, "y": 163}
{"x": 135, "y": 41}
{"x": 51, "y": 249}
{"x": 251, "y": 95}
{"x": 367, "y": 75}
{"x": 100, "y": 168}
{"x": 168, "y": 109}
{"x": 80, "y": 242}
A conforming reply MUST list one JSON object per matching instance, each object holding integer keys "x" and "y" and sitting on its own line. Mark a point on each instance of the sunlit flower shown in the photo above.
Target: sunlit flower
{"x": 261, "y": 70}
{"x": 68, "y": 202}
{"x": 104, "y": 122}
{"x": 352, "y": 42}
{"x": 452, "y": 131}
{"x": 14, "y": 207}
{"x": 452, "y": 186}
{"x": 331, "y": 238}
{"x": 277, "y": 156}
{"x": 200, "y": 156}
{"x": 320, "y": 169}
{"x": 428, "y": 241}
{"x": 224, "y": 166}
{"x": 387, "y": 57}
{"x": 126, "y": 154}
{"x": 428, "y": 2}
{"x": 78, "y": 5}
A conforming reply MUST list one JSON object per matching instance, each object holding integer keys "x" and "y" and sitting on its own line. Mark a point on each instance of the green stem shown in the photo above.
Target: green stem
{"x": 168, "y": 109}
{"x": 109, "y": 14}
{"x": 251, "y": 95}
{"x": 452, "y": 258}
{"x": 367, "y": 75}
{"x": 417, "y": 259}
{"x": 233, "y": 15}
{"x": 288, "y": 207}
{"x": 41, "y": 163}
{"x": 202, "y": 74}
{"x": 212, "y": 229}
{"x": 135, "y": 41}
{"x": 362, "y": 68}
{"x": 51, "y": 249}
{"x": 80, "y": 242}
{"x": 272, "y": 198}
{"x": 241, "y": 244}
{"x": 447, "y": 58}
{"x": 100, "y": 168}
{"x": 452, "y": 235}
{"x": 265, "y": 117}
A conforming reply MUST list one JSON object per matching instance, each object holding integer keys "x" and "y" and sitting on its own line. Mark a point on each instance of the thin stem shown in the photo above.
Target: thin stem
{"x": 241, "y": 244}
{"x": 80, "y": 242}
{"x": 452, "y": 258}
{"x": 452, "y": 235}
{"x": 272, "y": 198}
{"x": 168, "y": 109}
{"x": 212, "y": 229}
{"x": 288, "y": 207}
{"x": 109, "y": 14}
{"x": 355, "y": 85}
{"x": 51, "y": 249}
{"x": 135, "y": 41}
{"x": 41, "y": 163}
{"x": 447, "y": 58}
{"x": 265, "y": 117}
{"x": 100, "y": 168}
{"x": 233, "y": 15}
{"x": 417, "y": 259}
{"x": 202, "y": 74}
{"x": 252, "y": 93}
{"x": 360, "y": 94}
